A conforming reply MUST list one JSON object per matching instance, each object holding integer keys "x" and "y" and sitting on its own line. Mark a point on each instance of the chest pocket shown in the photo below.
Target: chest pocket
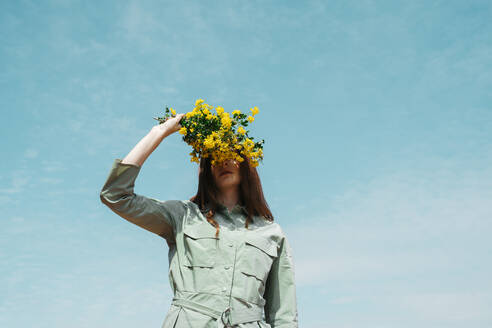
{"x": 259, "y": 254}
{"x": 200, "y": 245}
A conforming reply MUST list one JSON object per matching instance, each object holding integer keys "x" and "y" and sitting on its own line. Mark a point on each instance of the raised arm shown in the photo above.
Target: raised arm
{"x": 149, "y": 143}
{"x": 159, "y": 217}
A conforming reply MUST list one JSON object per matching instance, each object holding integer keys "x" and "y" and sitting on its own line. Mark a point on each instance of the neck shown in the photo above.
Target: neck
{"x": 229, "y": 198}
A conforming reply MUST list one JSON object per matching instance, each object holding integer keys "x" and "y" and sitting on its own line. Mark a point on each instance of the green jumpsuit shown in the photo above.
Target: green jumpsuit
{"x": 242, "y": 278}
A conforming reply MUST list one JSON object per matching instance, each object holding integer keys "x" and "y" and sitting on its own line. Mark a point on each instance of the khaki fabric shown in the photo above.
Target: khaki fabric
{"x": 242, "y": 278}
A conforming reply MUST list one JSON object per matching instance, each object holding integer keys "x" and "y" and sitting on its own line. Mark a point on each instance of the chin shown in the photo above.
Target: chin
{"x": 229, "y": 183}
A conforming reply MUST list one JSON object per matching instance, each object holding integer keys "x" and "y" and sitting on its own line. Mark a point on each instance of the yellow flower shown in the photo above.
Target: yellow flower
{"x": 209, "y": 142}
{"x": 219, "y": 110}
{"x": 226, "y": 121}
{"x": 211, "y": 134}
{"x": 249, "y": 144}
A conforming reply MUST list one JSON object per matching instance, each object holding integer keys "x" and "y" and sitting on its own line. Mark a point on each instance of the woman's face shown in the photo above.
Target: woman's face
{"x": 227, "y": 175}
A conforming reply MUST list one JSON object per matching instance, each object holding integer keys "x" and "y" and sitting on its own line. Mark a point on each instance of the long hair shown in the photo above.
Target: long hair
{"x": 250, "y": 192}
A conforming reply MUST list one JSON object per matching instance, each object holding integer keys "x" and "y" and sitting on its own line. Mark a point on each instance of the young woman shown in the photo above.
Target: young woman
{"x": 230, "y": 265}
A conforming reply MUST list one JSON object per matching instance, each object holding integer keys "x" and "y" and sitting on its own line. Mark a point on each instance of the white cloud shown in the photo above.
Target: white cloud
{"x": 455, "y": 306}
{"x": 18, "y": 180}
{"x": 411, "y": 241}
{"x": 31, "y": 153}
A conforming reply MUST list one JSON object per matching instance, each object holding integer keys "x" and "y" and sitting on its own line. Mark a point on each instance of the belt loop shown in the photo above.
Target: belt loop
{"x": 226, "y": 324}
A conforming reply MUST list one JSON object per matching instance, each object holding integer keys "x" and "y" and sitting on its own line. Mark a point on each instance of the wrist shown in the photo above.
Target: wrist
{"x": 161, "y": 130}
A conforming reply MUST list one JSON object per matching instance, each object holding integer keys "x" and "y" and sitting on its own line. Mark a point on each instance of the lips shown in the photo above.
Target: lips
{"x": 225, "y": 172}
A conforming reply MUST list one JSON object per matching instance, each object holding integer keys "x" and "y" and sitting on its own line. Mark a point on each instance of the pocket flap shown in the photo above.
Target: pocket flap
{"x": 263, "y": 244}
{"x": 198, "y": 231}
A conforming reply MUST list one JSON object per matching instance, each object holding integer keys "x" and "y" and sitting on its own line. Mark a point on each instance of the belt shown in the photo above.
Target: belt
{"x": 246, "y": 315}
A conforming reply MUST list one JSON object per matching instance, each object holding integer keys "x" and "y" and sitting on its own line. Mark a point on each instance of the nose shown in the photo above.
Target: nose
{"x": 226, "y": 164}
{"x": 230, "y": 162}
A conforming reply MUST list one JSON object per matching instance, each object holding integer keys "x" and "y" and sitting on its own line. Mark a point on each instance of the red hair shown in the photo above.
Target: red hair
{"x": 250, "y": 192}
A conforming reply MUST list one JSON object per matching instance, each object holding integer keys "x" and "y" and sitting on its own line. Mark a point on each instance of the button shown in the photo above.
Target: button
{"x": 227, "y": 267}
{"x": 230, "y": 245}
{"x": 224, "y": 289}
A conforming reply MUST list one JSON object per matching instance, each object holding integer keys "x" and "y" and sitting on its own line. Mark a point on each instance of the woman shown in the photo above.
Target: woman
{"x": 230, "y": 265}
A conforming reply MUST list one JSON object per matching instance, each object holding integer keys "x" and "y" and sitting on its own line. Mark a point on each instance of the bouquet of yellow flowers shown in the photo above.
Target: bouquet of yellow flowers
{"x": 220, "y": 136}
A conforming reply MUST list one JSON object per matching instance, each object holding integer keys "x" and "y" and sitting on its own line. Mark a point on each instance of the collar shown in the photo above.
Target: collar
{"x": 221, "y": 207}
{"x": 236, "y": 208}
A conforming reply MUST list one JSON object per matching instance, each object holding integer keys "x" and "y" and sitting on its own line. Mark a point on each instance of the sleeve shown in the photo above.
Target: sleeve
{"x": 280, "y": 291}
{"x": 159, "y": 217}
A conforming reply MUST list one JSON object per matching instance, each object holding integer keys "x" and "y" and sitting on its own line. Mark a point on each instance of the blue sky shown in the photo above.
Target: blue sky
{"x": 377, "y": 122}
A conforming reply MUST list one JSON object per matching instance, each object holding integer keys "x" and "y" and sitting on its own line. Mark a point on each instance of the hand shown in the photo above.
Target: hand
{"x": 172, "y": 123}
